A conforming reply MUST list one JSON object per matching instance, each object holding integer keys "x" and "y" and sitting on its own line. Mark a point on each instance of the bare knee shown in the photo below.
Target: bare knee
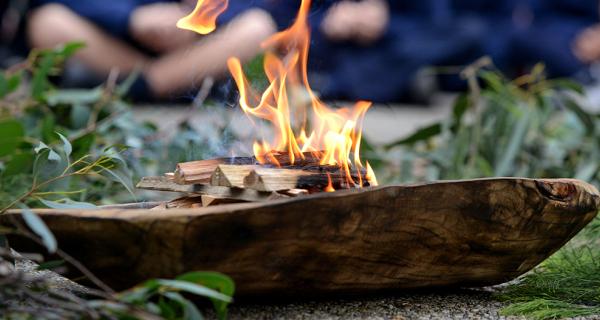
{"x": 52, "y": 24}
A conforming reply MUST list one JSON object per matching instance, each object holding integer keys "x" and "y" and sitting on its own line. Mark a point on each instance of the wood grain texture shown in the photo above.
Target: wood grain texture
{"x": 456, "y": 233}
{"x": 231, "y": 175}
{"x": 201, "y": 171}
{"x": 274, "y": 179}
{"x": 166, "y": 184}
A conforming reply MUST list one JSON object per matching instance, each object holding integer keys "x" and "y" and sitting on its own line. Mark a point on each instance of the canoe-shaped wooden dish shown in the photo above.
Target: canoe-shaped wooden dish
{"x": 455, "y": 233}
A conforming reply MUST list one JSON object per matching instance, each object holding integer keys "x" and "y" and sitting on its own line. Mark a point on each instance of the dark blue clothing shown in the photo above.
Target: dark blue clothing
{"x": 515, "y": 33}
{"x": 113, "y": 15}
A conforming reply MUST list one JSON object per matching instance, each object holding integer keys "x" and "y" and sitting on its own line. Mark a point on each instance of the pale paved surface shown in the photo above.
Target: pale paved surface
{"x": 383, "y": 123}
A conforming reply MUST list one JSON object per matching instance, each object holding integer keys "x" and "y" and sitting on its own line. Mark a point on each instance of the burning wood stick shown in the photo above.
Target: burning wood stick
{"x": 201, "y": 171}
{"x": 164, "y": 184}
{"x": 268, "y": 179}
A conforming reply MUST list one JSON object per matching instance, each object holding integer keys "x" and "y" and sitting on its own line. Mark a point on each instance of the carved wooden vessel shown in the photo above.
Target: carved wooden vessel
{"x": 455, "y": 233}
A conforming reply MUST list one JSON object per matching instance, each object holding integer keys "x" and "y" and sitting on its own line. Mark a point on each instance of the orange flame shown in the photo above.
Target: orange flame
{"x": 203, "y": 19}
{"x": 335, "y": 134}
{"x": 329, "y": 187}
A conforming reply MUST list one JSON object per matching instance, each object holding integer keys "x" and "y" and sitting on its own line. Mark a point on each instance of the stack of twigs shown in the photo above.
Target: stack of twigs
{"x": 245, "y": 179}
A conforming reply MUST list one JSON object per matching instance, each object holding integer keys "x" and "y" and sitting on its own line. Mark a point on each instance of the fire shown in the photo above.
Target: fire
{"x": 203, "y": 19}
{"x": 334, "y": 134}
{"x": 329, "y": 187}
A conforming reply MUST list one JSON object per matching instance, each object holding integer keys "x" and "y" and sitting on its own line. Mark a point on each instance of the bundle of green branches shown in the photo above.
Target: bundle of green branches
{"x": 528, "y": 127}
{"x": 33, "y": 109}
{"x": 61, "y": 149}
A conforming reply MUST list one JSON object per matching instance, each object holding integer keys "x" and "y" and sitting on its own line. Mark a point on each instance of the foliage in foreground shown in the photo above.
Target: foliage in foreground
{"x": 530, "y": 127}
{"x": 565, "y": 285}
{"x": 23, "y": 295}
{"x": 32, "y": 110}
{"x": 61, "y": 148}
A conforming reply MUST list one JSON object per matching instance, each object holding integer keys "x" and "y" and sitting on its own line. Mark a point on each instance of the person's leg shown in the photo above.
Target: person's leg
{"x": 55, "y": 24}
{"x": 177, "y": 71}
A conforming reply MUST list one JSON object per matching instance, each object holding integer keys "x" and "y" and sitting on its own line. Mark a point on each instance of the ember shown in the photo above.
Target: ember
{"x": 312, "y": 135}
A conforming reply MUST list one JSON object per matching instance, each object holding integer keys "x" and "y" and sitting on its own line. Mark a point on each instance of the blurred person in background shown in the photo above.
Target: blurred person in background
{"x": 361, "y": 49}
{"x": 130, "y": 34}
{"x": 376, "y": 49}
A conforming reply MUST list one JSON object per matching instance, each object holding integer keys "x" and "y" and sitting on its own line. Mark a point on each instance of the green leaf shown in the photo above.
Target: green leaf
{"x": 67, "y": 148}
{"x": 216, "y": 281}
{"x": 190, "y": 310}
{"x": 493, "y": 79}
{"x": 52, "y": 155}
{"x": 14, "y": 82}
{"x": 10, "y": 84}
{"x": 19, "y": 163}
{"x": 83, "y": 145}
{"x": 68, "y": 49}
{"x": 48, "y": 128}
{"x": 422, "y": 134}
{"x": 80, "y": 114}
{"x": 11, "y": 135}
{"x": 74, "y": 96}
{"x": 68, "y": 204}
{"x": 213, "y": 280}
{"x": 583, "y": 116}
{"x": 140, "y": 293}
{"x": 567, "y": 84}
{"x": 38, "y": 226}
{"x": 168, "y": 308}
{"x": 193, "y": 289}
{"x": 124, "y": 87}
{"x": 39, "y": 82}
{"x": 517, "y": 139}
{"x": 461, "y": 105}
{"x": 120, "y": 173}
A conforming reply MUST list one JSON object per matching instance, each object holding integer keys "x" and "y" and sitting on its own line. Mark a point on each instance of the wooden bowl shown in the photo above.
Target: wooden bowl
{"x": 455, "y": 233}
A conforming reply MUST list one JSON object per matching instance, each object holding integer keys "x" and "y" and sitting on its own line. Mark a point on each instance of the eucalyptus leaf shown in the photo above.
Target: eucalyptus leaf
{"x": 420, "y": 135}
{"x": 216, "y": 281}
{"x": 19, "y": 163}
{"x": 80, "y": 114}
{"x": 11, "y": 135}
{"x": 68, "y": 204}
{"x": 74, "y": 96}
{"x": 516, "y": 141}
{"x": 193, "y": 289}
{"x": 38, "y": 226}
{"x": 68, "y": 149}
{"x": 9, "y": 83}
{"x": 190, "y": 310}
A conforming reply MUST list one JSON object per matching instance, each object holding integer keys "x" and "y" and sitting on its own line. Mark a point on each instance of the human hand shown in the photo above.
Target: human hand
{"x": 364, "y": 22}
{"x": 587, "y": 44}
{"x": 154, "y": 26}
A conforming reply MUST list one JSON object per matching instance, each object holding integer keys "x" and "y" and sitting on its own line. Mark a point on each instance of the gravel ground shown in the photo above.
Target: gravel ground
{"x": 462, "y": 304}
